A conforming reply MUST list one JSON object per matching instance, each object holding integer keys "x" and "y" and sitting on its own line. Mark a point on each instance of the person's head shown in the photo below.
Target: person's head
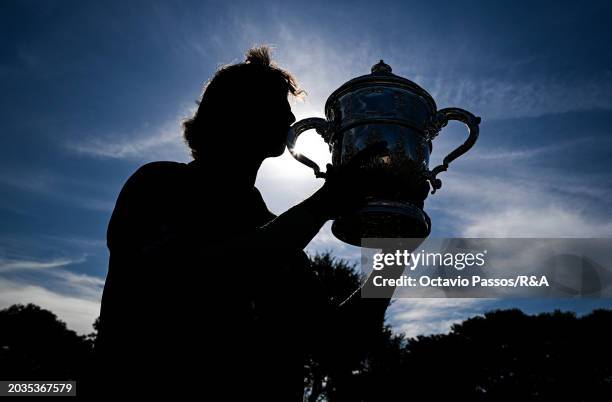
{"x": 244, "y": 110}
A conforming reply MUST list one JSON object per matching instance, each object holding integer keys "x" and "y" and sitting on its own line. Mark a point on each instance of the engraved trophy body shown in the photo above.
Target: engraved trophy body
{"x": 384, "y": 107}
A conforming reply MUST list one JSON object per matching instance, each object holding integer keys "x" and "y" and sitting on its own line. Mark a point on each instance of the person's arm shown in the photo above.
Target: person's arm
{"x": 293, "y": 229}
{"x": 133, "y": 230}
{"x": 343, "y": 192}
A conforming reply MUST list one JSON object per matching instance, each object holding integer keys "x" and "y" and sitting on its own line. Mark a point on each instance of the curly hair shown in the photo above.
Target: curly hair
{"x": 258, "y": 71}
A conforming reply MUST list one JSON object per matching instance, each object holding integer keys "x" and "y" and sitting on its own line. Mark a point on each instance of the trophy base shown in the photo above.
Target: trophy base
{"x": 382, "y": 219}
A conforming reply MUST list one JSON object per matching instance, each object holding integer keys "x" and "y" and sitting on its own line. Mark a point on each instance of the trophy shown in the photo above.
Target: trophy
{"x": 382, "y": 107}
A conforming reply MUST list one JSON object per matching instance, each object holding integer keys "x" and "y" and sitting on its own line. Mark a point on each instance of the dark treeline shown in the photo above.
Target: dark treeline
{"x": 504, "y": 355}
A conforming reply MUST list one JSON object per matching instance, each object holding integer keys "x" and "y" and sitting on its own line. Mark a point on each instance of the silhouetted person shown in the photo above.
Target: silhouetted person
{"x": 208, "y": 291}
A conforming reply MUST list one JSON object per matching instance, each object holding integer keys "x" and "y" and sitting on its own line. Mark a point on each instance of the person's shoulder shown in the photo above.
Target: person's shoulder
{"x": 159, "y": 168}
{"x": 156, "y": 172}
{"x": 140, "y": 198}
{"x": 152, "y": 177}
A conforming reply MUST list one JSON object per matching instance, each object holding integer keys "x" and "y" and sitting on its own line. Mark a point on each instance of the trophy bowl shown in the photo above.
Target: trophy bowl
{"x": 382, "y": 107}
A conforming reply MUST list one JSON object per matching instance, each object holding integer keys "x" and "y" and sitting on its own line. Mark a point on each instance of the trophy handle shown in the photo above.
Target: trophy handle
{"x": 441, "y": 119}
{"x": 321, "y": 126}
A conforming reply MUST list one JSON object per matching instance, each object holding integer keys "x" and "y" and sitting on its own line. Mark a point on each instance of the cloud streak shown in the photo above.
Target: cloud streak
{"x": 487, "y": 206}
{"x": 74, "y": 297}
{"x": 52, "y": 272}
{"x": 165, "y": 142}
{"x": 508, "y": 97}
{"x": 79, "y": 313}
{"x": 56, "y": 186}
{"x": 414, "y": 317}
{"x": 7, "y": 265}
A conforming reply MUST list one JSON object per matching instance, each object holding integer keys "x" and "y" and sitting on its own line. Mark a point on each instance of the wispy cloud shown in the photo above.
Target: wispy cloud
{"x": 535, "y": 221}
{"x": 509, "y": 155}
{"x": 79, "y": 313}
{"x": 414, "y": 317}
{"x": 78, "y": 242}
{"x": 164, "y": 142}
{"x": 74, "y": 297}
{"x": 8, "y": 265}
{"x": 53, "y": 272}
{"x": 322, "y": 65}
{"x": 489, "y": 206}
{"x": 507, "y": 97}
{"x": 56, "y": 186}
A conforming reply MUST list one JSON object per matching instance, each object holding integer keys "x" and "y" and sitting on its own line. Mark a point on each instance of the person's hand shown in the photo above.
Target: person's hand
{"x": 347, "y": 186}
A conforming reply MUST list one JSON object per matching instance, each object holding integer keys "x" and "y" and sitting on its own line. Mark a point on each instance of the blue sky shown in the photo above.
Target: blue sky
{"x": 92, "y": 90}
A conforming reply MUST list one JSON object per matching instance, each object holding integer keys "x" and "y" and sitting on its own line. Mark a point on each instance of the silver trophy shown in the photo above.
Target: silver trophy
{"x": 383, "y": 107}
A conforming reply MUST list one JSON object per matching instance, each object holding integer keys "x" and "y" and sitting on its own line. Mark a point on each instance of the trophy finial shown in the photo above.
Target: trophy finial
{"x": 381, "y": 68}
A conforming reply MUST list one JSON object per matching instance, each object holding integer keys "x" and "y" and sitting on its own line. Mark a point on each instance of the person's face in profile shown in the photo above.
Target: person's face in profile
{"x": 282, "y": 118}
{"x": 271, "y": 117}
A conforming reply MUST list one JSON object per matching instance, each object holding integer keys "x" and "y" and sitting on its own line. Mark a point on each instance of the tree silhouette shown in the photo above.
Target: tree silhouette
{"x": 336, "y": 281}
{"x": 504, "y": 355}
{"x": 35, "y": 345}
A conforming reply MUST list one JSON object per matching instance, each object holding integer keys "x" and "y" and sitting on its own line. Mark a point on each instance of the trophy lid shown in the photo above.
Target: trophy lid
{"x": 381, "y": 74}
